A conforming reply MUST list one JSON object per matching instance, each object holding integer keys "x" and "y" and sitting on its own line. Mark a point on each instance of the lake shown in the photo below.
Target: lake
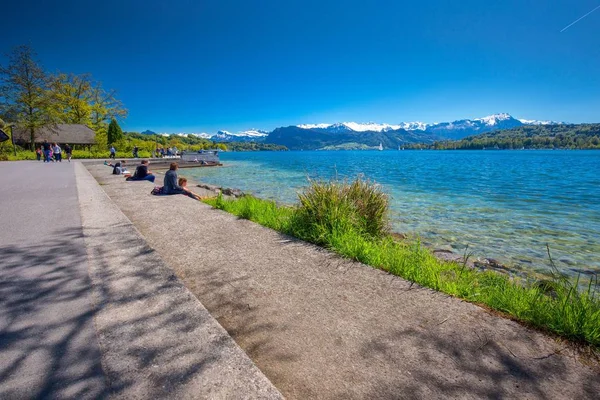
{"x": 506, "y": 205}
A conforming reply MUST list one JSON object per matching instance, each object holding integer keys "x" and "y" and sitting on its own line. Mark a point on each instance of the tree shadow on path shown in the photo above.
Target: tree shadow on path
{"x": 48, "y": 347}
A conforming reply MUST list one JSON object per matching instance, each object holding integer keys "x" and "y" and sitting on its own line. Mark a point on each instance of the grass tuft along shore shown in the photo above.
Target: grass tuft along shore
{"x": 351, "y": 218}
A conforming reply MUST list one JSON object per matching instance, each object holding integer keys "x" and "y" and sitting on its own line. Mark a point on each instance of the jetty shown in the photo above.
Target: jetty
{"x": 225, "y": 308}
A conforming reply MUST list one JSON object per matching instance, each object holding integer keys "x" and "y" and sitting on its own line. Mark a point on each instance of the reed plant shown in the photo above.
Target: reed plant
{"x": 351, "y": 218}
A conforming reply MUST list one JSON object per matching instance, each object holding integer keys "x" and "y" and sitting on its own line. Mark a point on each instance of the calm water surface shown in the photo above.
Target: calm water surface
{"x": 503, "y": 204}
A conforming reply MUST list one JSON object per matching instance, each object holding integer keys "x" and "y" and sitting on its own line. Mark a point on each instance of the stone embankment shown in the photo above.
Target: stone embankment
{"x": 319, "y": 326}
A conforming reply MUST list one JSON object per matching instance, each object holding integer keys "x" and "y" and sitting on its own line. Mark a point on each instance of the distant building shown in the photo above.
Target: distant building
{"x": 73, "y": 134}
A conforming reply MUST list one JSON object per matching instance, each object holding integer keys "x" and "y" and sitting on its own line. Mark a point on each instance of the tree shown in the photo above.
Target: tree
{"x": 71, "y": 98}
{"x": 23, "y": 91}
{"x": 114, "y": 132}
{"x": 78, "y": 99}
{"x": 105, "y": 107}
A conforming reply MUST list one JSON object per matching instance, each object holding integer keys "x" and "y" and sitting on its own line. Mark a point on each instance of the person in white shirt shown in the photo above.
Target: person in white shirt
{"x": 57, "y": 152}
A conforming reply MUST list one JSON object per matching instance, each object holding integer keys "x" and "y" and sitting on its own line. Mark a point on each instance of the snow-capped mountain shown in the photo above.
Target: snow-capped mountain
{"x": 352, "y": 126}
{"x": 251, "y": 135}
{"x": 444, "y": 130}
{"x": 495, "y": 119}
{"x": 536, "y": 122}
{"x": 314, "y": 136}
{"x": 322, "y": 134}
{"x": 202, "y": 135}
{"x": 499, "y": 121}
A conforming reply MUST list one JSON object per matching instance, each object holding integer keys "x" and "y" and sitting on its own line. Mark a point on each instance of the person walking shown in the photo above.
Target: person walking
{"x": 57, "y": 152}
{"x": 113, "y": 152}
{"x": 135, "y": 152}
{"x": 38, "y": 153}
{"x": 47, "y": 149}
{"x": 68, "y": 151}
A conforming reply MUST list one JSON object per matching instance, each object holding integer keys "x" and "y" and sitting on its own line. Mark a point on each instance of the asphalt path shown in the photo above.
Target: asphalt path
{"x": 49, "y": 347}
{"x": 89, "y": 311}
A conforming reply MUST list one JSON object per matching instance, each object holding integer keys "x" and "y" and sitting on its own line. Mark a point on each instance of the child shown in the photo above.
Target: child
{"x": 183, "y": 183}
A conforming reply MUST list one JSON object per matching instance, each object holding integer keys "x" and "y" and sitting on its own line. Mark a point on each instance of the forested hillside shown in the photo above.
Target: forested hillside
{"x": 581, "y": 136}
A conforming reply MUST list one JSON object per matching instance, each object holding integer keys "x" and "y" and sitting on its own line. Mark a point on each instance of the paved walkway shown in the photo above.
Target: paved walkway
{"x": 48, "y": 342}
{"x": 322, "y": 327}
{"x": 88, "y": 310}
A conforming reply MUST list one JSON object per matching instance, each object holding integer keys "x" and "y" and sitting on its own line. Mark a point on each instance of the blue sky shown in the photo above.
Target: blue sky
{"x": 200, "y": 66}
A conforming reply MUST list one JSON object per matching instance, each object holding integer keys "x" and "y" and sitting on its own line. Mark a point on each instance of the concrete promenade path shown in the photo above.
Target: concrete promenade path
{"x": 48, "y": 345}
{"x": 321, "y": 327}
{"x": 89, "y": 311}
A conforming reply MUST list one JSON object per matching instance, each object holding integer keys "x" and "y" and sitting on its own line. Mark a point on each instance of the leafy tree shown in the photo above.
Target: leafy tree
{"x": 114, "y": 132}
{"x": 23, "y": 91}
{"x": 71, "y": 98}
{"x": 105, "y": 107}
{"x": 78, "y": 99}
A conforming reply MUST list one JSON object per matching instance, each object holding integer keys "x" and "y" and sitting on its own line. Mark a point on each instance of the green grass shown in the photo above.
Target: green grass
{"x": 351, "y": 220}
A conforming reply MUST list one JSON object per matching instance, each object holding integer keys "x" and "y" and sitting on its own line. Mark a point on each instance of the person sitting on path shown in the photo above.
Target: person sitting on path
{"x": 119, "y": 168}
{"x": 142, "y": 173}
{"x": 183, "y": 183}
{"x": 171, "y": 185}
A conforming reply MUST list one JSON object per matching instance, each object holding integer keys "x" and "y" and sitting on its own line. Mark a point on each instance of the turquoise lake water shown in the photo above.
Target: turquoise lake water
{"x": 506, "y": 205}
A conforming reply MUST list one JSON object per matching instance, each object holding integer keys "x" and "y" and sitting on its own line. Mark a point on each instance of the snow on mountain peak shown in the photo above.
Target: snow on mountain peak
{"x": 414, "y": 126}
{"x": 314, "y": 126}
{"x": 253, "y": 132}
{"x": 202, "y": 135}
{"x": 536, "y": 122}
{"x": 370, "y": 126}
{"x": 256, "y": 133}
{"x": 494, "y": 119}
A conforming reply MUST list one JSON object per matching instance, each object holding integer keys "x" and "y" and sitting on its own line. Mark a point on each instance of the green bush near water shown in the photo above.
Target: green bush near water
{"x": 351, "y": 219}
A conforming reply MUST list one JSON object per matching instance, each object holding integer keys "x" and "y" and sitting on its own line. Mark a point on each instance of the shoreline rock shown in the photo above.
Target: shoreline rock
{"x": 225, "y": 191}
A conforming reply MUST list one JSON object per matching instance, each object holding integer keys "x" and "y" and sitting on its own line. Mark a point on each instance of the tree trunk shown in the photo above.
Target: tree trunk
{"x": 32, "y": 133}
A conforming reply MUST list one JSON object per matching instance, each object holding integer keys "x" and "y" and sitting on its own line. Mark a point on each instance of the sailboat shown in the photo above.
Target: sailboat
{"x": 380, "y": 146}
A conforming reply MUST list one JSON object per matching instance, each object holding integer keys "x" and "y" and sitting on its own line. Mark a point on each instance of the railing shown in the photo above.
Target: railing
{"x": 202, "y": 157}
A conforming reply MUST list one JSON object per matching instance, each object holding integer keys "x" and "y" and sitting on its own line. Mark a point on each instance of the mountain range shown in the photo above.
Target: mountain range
{"x": 359, "y": 135}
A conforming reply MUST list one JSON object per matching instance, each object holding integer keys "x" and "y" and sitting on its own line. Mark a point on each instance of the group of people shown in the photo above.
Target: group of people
{"x": 172, "y": 184}
{"x": 158, "y": 153}
{"x": 52, "y": 152}
{"x": 168, "y": 152}
{"x": 141, "y": 171}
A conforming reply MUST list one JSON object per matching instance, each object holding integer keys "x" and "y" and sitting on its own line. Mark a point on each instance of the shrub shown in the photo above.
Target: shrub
{"x": 329, "y": 208}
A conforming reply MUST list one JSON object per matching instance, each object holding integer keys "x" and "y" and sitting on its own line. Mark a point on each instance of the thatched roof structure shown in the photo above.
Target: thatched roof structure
{"x": 59, "y": 133}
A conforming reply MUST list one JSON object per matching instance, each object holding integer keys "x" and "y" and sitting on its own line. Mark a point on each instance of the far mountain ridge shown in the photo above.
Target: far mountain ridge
{"x": 316, "y": 136}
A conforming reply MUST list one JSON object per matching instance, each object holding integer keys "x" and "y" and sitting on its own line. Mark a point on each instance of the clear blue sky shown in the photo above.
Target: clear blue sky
{"x": 200, "y": 66}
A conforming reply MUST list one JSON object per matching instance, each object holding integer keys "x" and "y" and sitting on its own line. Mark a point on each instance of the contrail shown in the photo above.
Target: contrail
{"x": 573, "y": 23}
